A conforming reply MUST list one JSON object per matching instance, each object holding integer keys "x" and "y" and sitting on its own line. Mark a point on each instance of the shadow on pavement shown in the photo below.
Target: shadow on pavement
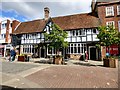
{"x": 4, "y": 87}
{"x": 86, "y": 64}
{"x": 44, "y": 62}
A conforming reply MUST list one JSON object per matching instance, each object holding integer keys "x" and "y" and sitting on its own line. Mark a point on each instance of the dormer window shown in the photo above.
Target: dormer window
{"x": 110, "y": 11}
{"x": 118, "y": 10}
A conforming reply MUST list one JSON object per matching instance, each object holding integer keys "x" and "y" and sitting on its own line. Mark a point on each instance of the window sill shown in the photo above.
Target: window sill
{"x": 118, "y": 15}
{"x": 109, "y": 16}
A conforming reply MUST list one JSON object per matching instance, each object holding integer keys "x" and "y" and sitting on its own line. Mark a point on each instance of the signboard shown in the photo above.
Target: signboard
{"x": 113, "y": 49}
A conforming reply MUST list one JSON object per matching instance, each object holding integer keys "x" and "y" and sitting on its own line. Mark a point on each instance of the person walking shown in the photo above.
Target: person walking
{"x": 86, "y": 56}
{"x": 12, "y": 54}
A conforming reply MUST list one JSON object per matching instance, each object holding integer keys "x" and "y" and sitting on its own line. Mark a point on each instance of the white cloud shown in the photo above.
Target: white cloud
{"x": 33, "y": 10}
{"x": 5, "y": 18}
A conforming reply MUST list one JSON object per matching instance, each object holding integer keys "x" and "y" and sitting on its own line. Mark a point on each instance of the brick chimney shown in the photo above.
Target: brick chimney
{"x": 93, "y": 5}
{"x": 46, "y": 13}
{"x": 14, "y": 25}
{"x": 7, "y": 30}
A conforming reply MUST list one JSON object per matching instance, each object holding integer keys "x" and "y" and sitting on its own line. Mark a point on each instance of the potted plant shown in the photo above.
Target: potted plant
{"x": 108, "y": 36}
{"x": 56, "y": 38}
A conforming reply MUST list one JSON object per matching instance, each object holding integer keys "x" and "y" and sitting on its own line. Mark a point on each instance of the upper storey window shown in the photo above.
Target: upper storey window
{"x": 118, "y": 10}
{"x": 110, "y": 11}
{"x": 110, "y": 23}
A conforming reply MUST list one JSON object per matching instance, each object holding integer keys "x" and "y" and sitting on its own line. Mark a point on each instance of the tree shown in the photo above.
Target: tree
{"x": 56, "y": 37}
{"x": 108, "y": 35}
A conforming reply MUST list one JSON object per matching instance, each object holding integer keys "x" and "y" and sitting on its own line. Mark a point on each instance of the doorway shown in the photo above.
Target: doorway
{"x": 42, "y": 52}
{"x": 92, "y": 53}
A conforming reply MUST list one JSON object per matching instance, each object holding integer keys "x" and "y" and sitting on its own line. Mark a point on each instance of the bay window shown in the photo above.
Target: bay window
{"x": 76, "y": 48}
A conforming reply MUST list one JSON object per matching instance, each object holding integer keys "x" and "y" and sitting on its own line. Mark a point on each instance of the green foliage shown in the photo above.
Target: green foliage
{"x": 107, "y": 35}
{"x": 56, "y": 37}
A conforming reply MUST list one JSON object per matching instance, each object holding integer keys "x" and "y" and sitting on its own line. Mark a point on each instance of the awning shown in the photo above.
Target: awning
{"x": 2, "y": 46}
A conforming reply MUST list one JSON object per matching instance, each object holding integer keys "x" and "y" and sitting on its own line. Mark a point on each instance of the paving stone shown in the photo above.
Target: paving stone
{"x": 76, "y": 77}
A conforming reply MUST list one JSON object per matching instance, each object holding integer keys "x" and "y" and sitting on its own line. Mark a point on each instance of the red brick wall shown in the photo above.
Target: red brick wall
{"x": 14, "y": 25}
{"x": 104, "y": 19}
{"x": 7, "y": 31}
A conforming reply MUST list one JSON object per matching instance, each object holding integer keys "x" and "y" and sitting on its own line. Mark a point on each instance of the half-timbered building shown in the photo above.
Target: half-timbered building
{"x": 81, "y": 29}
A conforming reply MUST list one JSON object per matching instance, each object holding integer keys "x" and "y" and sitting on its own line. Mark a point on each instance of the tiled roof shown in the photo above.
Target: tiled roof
{"x": 31, "y": 26}
{"x": 77, "y": 21}
{"x": 107, "y": 2}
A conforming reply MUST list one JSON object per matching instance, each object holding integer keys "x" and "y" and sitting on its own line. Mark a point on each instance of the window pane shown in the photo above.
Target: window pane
{"x": 79, "y": 32}
{"x": 82, "y": 49}
{"x": 94, "y": 30}
{"x": 75, "y": 49}
{"x": 78, "y": 49}
{"x": 71, "y": 49}
{"x": 76, "y": 32}
{"x": 73, "y": 33}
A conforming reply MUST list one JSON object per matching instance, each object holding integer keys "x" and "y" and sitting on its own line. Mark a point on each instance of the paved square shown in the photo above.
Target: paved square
{"x": 76, "y": 77}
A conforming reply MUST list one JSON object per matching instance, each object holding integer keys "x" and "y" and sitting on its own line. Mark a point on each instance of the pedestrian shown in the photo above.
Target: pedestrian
{"x": 12, "y": 54}
{"x": 86, "y": 56}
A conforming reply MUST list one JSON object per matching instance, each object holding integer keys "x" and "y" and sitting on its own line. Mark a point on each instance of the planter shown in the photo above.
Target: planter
{"x": 58, "y": 60}
{"x": 21, "y": 58}
{"x": 113, "y": 63}
{"x": 110, "y": 62}
{"x": 106, "y": 62}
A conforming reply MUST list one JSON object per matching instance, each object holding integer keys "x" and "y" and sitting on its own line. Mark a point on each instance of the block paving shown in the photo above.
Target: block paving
{"x": 76, "y": 77}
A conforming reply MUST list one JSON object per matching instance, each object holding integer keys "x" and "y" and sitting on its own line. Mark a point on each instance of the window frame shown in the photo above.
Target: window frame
{"x": 110, "y": 12}
{"x": 118, "y": 10}
{"x": 72, "y": 46}
{"x": 107, "y": 23}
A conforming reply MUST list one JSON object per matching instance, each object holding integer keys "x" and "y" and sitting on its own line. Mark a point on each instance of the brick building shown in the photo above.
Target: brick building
{"x": 109, "y": 14}
{"x": 6, "y": 28}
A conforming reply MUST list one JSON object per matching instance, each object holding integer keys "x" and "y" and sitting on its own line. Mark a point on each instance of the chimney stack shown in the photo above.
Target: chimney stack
{"x": 14, "y": 25}
{"x": 46, "y": 13}
{"x": 93, "y": 5}
{"x": 7, "y": 31}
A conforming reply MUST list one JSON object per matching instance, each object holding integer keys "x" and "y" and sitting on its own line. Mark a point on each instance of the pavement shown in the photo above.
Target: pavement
{"x": 76, "y": 74}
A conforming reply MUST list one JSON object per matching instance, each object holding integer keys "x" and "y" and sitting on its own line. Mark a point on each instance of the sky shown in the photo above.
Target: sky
{"x": 27, "y": 10}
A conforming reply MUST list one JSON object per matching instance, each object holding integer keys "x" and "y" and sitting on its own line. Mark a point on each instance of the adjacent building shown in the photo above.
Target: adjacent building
{"x": 109, "y": 14}
{"x": 6, "y": 28}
